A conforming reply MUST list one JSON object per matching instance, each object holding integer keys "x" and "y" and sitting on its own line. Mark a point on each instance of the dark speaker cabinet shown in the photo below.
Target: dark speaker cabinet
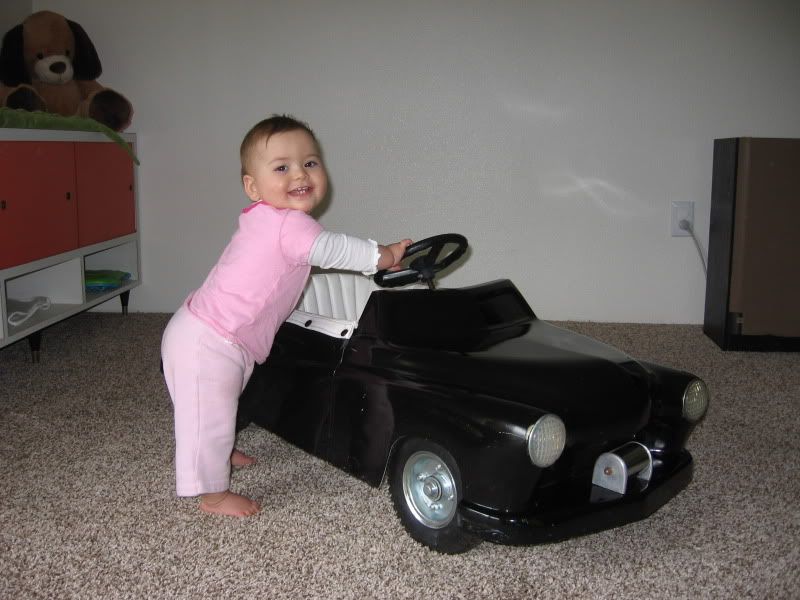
{"x": 753, "y": 281}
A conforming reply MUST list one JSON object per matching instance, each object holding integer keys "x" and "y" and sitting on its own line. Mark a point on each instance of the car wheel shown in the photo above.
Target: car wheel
{"x": 425, "y": 486}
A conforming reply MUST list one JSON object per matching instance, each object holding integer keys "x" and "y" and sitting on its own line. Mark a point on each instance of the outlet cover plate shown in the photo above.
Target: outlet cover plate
{"x": 681, "y": 211}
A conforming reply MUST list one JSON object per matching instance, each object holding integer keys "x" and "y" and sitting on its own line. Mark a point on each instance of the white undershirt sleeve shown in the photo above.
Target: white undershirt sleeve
{"x": 341, "y": 251}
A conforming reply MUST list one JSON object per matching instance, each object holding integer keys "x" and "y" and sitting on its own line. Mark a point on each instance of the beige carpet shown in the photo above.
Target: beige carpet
{"x": 87, "y": 508}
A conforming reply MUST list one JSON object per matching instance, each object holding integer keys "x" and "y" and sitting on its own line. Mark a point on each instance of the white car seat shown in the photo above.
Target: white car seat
{"x": 337, "y": 295}
{"x": 332, "y": 303}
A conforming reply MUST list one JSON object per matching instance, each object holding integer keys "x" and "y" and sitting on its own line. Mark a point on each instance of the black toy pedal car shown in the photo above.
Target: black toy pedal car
{"x": 487, "y": 422}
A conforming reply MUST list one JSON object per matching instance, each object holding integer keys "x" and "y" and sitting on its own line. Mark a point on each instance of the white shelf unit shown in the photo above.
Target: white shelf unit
{"x": 61, "y": 277}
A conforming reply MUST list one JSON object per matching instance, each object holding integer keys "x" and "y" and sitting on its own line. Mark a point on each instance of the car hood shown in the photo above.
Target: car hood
{"x": 590, "y": 385}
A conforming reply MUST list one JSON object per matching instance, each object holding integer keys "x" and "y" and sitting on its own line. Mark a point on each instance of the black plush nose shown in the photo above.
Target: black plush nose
{"x": 58, "y": 67}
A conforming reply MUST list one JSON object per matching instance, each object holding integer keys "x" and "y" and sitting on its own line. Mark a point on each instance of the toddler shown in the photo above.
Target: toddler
{"x": 212, "y": 342}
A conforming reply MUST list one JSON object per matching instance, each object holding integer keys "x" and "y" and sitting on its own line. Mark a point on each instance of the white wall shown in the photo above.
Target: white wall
{"x": 12, "y": 13}
{"x": 554, "y": 135}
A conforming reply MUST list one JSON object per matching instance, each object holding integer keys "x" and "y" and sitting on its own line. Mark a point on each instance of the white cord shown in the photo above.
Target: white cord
{"x": 32, "y": 304}
{"x": 687, "y": 226}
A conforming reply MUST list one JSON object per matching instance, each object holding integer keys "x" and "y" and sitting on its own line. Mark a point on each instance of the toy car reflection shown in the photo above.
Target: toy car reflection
{"x": 487, "y": 423}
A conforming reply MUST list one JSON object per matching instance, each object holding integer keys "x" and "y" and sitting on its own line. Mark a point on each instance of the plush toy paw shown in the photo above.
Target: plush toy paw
{"x": 25, "y": 97}
{"x": 111, "y": 109}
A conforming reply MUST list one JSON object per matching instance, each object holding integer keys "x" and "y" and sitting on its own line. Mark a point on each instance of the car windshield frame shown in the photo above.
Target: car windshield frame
{"x": 451, "y": 318}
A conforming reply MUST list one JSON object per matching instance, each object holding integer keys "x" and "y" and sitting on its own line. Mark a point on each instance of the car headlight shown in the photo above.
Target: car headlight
{"x": 695, "y": 401}
{"x": 546, "y": 439}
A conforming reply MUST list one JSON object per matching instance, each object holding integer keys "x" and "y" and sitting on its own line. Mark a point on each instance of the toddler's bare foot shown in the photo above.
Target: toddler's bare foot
{"x": 240, "y": 459}
{"x": 228, "y": 503}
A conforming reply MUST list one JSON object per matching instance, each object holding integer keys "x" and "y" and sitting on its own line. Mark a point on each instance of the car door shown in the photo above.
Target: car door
{"x": 362, "y": 423}
{"x": 291, "y": 393}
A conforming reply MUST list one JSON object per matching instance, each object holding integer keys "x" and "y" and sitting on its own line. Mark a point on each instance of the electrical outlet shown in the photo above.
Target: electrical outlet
{"x": 681, "y": 211}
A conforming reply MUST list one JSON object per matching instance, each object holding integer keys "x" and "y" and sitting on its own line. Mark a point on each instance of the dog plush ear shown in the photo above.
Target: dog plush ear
{"x": 12, "y": 61}
{"x": 85, "y": 64}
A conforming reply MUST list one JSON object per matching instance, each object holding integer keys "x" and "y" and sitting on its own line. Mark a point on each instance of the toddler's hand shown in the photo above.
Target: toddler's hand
{"x": 392, "y": 254}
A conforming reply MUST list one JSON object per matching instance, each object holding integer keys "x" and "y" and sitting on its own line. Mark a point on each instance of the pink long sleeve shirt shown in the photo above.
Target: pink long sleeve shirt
{"x": 258, "y": 280}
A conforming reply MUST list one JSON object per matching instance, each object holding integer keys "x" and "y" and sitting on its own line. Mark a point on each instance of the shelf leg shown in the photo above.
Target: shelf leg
{"x": 123, "y": 298}
{"x": 35, "y": 342}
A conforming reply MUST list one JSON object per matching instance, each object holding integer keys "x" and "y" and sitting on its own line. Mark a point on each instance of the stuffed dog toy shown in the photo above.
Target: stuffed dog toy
{"x": 49, "y": 64}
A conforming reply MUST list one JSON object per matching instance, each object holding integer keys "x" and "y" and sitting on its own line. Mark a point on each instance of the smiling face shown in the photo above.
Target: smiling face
{"x": 286, "y": 172}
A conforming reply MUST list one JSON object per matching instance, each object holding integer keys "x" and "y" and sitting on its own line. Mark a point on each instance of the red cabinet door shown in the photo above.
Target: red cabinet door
{"x": 38, "y": 206}
{"x": 106, "y": 209}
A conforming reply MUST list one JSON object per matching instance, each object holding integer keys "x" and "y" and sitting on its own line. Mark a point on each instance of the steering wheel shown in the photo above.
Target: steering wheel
{"x": 424, "y": 267}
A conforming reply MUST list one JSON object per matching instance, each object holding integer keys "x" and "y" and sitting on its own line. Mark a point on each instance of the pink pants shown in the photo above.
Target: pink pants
{"x": 205, "y": 375}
